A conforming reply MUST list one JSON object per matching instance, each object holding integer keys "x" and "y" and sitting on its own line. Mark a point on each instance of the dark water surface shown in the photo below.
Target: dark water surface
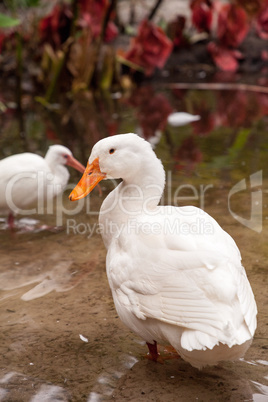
{"x": 61, "y": 339}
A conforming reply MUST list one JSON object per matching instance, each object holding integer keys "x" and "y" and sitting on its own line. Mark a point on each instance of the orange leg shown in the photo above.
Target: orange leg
{"x": 153, "y": 353}
{"x": 168, "y": 351}
{"x": 10, "y": 221}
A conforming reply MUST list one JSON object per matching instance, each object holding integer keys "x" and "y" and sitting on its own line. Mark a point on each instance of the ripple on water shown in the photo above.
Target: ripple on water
{"x": 263, "y": 395}
{"x": 44, "y": 393}
{"x": 107, "y": 382}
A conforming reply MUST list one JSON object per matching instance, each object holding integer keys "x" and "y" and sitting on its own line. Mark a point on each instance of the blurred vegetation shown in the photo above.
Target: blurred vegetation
{"x": 72, "y": 46}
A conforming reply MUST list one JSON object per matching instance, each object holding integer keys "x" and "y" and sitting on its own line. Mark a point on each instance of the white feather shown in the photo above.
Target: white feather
{"x": 179, "y": 119}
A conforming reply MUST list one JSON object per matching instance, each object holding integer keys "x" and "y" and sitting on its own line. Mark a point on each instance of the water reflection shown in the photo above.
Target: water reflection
{"x": 44, "y": 393}
{"x": 49, "y": 393}
{"x": 43, "y": 272}
{"x": 262, "y": 396}
{"x": 108, "y": 381}
{"x": 220, "y": 383}
{"x": 87, "y": 118}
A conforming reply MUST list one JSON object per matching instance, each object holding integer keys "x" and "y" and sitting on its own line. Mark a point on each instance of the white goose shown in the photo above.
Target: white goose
{"x": 169, "y": 282}
{"x": 28, "y": 178}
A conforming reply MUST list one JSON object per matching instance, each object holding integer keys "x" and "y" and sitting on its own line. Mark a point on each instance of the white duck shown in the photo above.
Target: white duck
{"x": 169, "y": 281}
{"x": 28, "y": 178}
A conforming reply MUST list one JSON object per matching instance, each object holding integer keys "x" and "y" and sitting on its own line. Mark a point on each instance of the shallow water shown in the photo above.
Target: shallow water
{"x": 61, "y": 338}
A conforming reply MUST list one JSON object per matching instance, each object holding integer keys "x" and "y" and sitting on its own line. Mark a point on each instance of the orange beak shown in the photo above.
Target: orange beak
{"x": 71, "y": 161}
{"x": 91, "y": 177}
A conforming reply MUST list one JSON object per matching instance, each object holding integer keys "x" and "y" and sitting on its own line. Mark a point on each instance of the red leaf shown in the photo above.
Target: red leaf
{"x": 111, "y": 32}
{"x": 252, "y": 7}
{"x": 175, "y": 31}
{"x": 202, "y": 14}
{"x": 2, "y": 38}
{"x": 224, "y": 58}
{"x": 233, "y": 25}
{"x": 264, "y": 55}
{"x": 92, "y": 13}
{"x": 150, "y": 48}
{"x": 262, "y": 22}
{"x": 54, "y": 28}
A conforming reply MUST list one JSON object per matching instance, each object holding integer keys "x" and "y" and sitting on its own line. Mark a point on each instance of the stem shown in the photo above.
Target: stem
{"x": 154, "y": 9}
{"x": 57, "y": 68}
{"x": 107, "y": 16}
{"x": 100, "y": 39}
{"x": 132, "y": 13}
{"x": 19, "y": 83}
{"x": 75, "y": 10}
{"x": 18, "y": 69}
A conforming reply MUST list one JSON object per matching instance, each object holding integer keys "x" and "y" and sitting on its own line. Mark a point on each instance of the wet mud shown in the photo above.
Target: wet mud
{"x": 61, "y": 338}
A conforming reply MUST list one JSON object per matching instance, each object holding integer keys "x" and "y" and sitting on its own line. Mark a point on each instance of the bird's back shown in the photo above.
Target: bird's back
{"x": 21, "y": 178}
{"x": 187, "y": 285}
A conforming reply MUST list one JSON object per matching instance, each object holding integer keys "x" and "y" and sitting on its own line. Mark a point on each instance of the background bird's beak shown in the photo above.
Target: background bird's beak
{"x": 71, "y": 161}
{"x": 91, "y": 177}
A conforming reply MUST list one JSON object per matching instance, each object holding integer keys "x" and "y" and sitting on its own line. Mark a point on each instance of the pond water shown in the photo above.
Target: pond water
{"x": 61, "y": 339}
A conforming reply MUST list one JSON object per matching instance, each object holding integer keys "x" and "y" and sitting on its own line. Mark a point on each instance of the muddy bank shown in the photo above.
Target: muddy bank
{"x": 54, "y": 289}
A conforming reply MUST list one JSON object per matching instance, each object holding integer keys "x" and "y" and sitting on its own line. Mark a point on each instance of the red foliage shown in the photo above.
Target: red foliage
{"x": 262, "y": 103}
{"x": 233, "y": 25}
{"x": 188, "y": 155}
{"x": 225, "y": 58}
{"x": 55, "y": 27}
{"x": 51, "y": 135}
{"x": 111, "y": 32}
{"x": 149, "y": 49}
{"x": 252, "y": 7}
{"x": 264, "y": 55}
{"x": 2, "y": 38}
{"x": 231, "y": 108}
{"x": 262, "y": 21}
{"x": 112, "y": 127}
{"x": 98, "y": 7}
{"x": 92, "y": 15}
{"x": 175, "y": 31}
{"x": 238, "y": 108}
{"x": 152, "y": 110}
{"x": 207, "y": 122}
{"x": 202, "y": 14}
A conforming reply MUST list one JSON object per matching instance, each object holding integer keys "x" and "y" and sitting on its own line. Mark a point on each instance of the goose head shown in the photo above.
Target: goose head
{"x": 60, "y": 155}
{"x": 124, "y": 156}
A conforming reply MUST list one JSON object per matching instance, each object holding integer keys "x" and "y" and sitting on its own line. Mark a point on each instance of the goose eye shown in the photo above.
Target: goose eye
{"x": 112, "y": 151}
{"x": 65, "y": 156}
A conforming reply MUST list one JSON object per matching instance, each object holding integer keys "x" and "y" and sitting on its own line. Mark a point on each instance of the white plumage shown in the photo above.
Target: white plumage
{"x": 178, "y": 119}
{"x": 171, "y": 282}
{"x": 28, "y": 179}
